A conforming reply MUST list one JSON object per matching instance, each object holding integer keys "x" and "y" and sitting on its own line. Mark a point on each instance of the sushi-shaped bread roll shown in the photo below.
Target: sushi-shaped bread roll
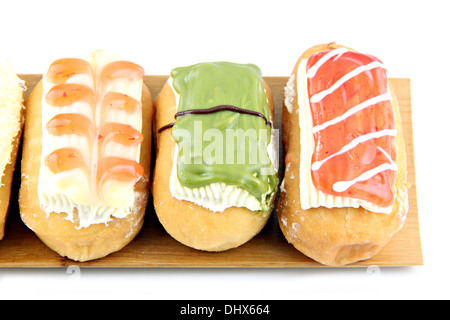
{"x": 344, "y": 193}
{"x": 215, "y": 177}
{"x": 11, "y": 124}
{"x": 86, "y": 155}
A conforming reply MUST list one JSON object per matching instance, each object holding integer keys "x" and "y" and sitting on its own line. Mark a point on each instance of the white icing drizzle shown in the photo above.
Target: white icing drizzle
{"x": 319, "y": 96}
{"x": 393, "y": 164}
{"x": 342, "y": 186}
{"x": 313, "y": 70}
{"x": 370, "y": 102}
{"x": 366, "y": 137}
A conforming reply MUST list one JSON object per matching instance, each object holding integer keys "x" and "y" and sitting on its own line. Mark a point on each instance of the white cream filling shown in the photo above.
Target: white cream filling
{"x": 310, "y": 196}
{"x": 218, "y": 196}
{"x": 70, "y": 192}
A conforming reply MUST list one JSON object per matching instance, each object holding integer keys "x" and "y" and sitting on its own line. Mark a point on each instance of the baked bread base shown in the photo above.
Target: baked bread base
{"x": 6, "y": 183}
{"x": 337, "y": 236}
{"x": 61, "y": 235}
{"x": 13, "y": 113}
{"x": 187, "y": 222}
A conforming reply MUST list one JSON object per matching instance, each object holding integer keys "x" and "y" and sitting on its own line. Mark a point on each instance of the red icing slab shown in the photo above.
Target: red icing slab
{"x": 354, "y": 138}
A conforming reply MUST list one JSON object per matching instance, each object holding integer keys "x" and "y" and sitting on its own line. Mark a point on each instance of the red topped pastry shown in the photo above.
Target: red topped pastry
{"x": 345, "y": 192}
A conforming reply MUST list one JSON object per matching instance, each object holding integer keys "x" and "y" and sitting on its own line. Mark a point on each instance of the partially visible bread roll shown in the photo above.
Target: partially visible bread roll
{"x": 64, "y": 232}
{"x": 340, "y": 235}
{"x": 11, "y": 124}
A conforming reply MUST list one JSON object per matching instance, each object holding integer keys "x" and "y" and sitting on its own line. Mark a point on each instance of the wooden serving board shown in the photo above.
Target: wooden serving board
{"x": 153, "y": 247}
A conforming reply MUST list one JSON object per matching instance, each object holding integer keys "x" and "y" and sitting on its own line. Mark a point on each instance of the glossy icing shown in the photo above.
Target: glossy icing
{"x": 215, "y": 85}
{"x": 91, "y": 117}
{"x": 353, "y": 126}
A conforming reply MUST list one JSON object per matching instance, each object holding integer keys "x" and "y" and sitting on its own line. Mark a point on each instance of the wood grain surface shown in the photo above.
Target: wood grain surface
{"x": 153, "y": 247}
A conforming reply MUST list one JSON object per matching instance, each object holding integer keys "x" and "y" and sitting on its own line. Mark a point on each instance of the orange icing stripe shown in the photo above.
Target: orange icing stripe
{"x": 63, "y": 69}
{"x": 122, "y": 70}
{"x": 65, "y": 159}
{"x": 70, "y": 123}
{"x": 119, "y": 169}
{"x": 121, "y": 133}
{"x": 66, "y": 94}
{"x": 119, "y": 101}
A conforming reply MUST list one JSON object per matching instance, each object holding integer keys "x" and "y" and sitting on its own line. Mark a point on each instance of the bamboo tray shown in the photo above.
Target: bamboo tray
{"x": 153, "y": 247}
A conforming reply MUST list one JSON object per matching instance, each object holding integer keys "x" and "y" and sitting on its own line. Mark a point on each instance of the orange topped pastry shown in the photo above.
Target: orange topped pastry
{"x": 93, "y": 167}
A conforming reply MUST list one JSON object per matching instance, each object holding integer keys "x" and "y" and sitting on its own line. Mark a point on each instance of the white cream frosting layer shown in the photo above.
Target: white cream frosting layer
{"x": 72, "y": 191}
{"x": 218, "y": 196}
{"x": 310, "y": 196}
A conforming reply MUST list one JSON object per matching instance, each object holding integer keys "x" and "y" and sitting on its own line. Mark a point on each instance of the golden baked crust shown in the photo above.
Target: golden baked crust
{"x": 11, "y": 100}
{"x": 97, "y": 240}
{"x": 6, "y": 182}
{"x": 336, "y": 236}
{"x": 187, "y": 222}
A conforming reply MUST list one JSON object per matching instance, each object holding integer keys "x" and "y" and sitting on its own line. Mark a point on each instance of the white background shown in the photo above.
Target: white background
{"x": 410, "y": 37}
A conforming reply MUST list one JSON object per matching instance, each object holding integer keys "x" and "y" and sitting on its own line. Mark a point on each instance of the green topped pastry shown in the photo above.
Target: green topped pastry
{"x": 215, "y": 127}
